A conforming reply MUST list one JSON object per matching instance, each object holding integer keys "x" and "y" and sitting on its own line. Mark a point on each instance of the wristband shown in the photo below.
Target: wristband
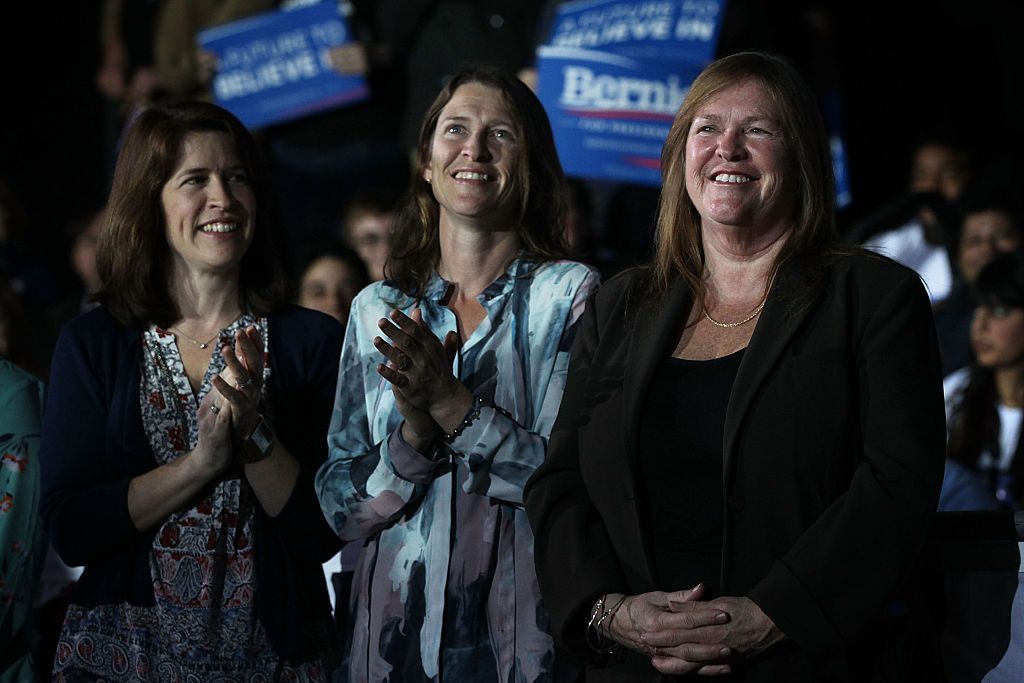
{"x": 257, "y": 447}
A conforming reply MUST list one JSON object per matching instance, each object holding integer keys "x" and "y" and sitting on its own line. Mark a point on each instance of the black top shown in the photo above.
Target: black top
{"x": 680, "y": 465}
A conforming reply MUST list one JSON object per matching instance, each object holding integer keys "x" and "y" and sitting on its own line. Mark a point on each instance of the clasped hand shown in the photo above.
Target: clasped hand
{"x": 684, "y": 634}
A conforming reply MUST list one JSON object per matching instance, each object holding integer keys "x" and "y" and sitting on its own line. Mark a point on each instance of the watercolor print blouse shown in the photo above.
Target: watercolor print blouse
{"x": 445, "y": 585}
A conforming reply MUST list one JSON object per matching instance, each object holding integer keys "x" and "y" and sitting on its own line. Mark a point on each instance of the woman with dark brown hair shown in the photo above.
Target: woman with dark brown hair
{"x": 749, "y": 448}
{"x": 186, "y": 419}
{"x": 429, "y": 451}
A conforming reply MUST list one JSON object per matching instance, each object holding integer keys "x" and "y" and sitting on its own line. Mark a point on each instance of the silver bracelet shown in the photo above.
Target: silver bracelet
{"x": 593, "y": 634}
{"x": 470, "y": 418}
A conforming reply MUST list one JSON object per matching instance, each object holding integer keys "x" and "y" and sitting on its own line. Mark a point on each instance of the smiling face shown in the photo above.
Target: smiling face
{"x": 736, "y": 162}
{"x": 208, "y": 207}
{"x": 474, "y": 154}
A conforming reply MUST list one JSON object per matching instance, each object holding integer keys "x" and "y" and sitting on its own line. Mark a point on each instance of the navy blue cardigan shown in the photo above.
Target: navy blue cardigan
{"x": 94, "y": 444}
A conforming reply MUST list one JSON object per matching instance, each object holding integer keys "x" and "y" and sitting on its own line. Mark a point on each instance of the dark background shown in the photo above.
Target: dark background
{"x": 899, "y": 68}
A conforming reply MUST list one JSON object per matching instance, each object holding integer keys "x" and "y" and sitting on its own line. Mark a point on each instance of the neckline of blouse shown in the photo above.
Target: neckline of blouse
{"x": 437, "y": 288}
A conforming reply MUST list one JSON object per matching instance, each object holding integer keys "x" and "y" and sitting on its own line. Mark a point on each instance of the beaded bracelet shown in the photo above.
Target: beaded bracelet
{"x": 470, "y": 418}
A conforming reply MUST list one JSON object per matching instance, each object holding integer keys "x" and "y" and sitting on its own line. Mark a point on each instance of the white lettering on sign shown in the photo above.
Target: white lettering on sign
{"x": 582, "y": 89}
{"x": 274, "y": 74}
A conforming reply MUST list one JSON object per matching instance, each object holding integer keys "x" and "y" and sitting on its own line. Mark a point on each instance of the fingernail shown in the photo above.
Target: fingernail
{"x": 724, "y": 652}
{"x": 721, "y": 617}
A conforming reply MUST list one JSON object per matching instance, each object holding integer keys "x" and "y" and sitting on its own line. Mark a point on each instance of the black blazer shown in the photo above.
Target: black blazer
{"x": 833, "y": 459}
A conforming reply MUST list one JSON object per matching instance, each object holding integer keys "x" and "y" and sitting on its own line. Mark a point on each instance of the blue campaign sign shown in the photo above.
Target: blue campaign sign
{"x": 275, "y": 67}
{"x": 612, "y": 75}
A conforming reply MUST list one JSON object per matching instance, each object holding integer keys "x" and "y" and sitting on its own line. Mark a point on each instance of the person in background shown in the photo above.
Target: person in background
{"x": 331, "y": 278}
{"x": 184, "y": 70}
{"x": 186, "y": 417}
{"x": 453, "y": 369}
{"x": 985, "y": 471}
{"x": 47, "y": 580}
{"x": 15, "y": 336}
{"x": 22, "y": 544}
{"x": 990, "y": 223}
{"x": 431, "y": 39}
{"x": 726, "y": 492}
{"x": 942, "y": 167}
{"x": 321, "y": 161}
{"x": 985, "y": 399}
{"x": 82, "y": 277}
{"x": 126, "y": 76}
{"x": 367, "y": 226}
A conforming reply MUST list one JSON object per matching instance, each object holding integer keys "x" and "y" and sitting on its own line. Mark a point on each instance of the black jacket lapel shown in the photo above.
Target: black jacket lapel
{"x": 778, "y": 323}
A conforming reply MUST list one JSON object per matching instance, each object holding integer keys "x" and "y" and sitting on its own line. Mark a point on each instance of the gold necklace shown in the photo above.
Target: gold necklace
{"x": 202, "y": 344}
{"x": 198, "y": 343}
{"x": 745, "y": 320}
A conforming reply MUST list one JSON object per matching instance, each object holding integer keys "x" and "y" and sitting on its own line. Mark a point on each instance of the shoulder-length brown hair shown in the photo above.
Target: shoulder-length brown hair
{"x": 133, "y": 257}
{"x": 543, "y": 194}
{"x": 678, "y": 246}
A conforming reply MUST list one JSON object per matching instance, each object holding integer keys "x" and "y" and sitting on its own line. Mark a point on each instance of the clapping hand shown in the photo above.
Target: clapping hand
{"x": 419, "y": 367}
{"x": 241, "y": 383}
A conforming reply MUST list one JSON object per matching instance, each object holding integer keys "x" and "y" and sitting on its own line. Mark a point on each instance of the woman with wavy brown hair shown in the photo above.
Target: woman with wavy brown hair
{"x": 454, "y": 369}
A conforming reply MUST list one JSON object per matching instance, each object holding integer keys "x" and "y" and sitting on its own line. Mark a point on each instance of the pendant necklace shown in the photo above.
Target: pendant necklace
{"x": 198, "y": 343}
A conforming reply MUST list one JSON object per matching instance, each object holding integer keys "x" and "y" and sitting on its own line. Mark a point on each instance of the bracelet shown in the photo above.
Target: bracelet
{"x": 611, "y": 616}
{"x": 591, "y": 626}
{"x": 597, "y": 617}
{"x": 471, "y": 415}
{"x": 257, "y": 446}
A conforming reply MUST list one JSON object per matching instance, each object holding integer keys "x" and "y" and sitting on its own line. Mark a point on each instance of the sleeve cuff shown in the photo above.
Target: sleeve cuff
{"x": 409, "y": 463}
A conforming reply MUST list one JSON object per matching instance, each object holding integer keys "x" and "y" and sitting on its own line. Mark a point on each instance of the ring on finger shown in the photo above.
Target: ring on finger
{"x": 245, "y": 384}
{"x": 406, "y": 363}
{"x": 215, "y": 408}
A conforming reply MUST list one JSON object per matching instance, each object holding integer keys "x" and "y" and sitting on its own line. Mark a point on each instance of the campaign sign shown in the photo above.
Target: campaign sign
{"x": 275, "y": 67}
{"x": 612, "y": 75}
